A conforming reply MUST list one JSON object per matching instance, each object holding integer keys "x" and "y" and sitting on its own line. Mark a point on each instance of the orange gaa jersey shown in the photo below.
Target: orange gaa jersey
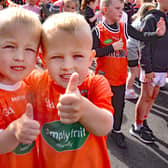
{"x": 12, "y": 106}
{"x": 69, "y": 145}
{"x": 112, "y": 66}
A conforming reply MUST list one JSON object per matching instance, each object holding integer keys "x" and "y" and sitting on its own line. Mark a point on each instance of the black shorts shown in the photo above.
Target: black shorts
{"x": 133, "y": 63}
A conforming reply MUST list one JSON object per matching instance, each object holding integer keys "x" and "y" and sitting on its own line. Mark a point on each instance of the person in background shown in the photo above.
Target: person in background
{"x": 19, "y": 2}
{"x": 88, "y": 10}
{"x": 2, "y": 4}
{"x": 129, "y": 9}
{"x": 47, "y": 9}
{"x": 31, "y": 5}
{"x": 70, "y": 6}
{"x": 109, "y": 41}
{"x": 154, "y": 64}
{"x": 124, "y": 17}
{"x": 133, "y": 52}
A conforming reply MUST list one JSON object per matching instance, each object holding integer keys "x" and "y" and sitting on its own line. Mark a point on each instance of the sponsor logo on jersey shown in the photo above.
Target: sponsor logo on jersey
{"x": 108, "y": 41}
{"x": 64, "y": 137}
{"x": 24, "y": 148}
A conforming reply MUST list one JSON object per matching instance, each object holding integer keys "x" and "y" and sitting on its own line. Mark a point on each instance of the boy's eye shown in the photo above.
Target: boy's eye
{"x": 30, "y": 49}
{"x": 9, "y": 46}
{"x": 78, "y": 56}
{"x": 56, "y": 57}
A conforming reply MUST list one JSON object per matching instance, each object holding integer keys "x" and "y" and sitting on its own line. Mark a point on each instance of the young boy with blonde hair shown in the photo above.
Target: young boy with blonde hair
{"x": 18, "y": 50}
{"x": 73, "y": 106}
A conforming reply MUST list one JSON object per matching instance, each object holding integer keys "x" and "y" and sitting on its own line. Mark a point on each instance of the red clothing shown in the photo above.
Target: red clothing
{"x": 69, "y": 145}
{"x": 12, "y": 106}
{"x": 114, "y": 67}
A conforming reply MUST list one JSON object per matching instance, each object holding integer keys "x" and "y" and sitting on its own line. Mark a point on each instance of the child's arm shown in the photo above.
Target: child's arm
{"x": 100, "y": 52}
{"x": 23, "y": 130}
{"x": 73, "y": 107}
{"x": 97, "y": 14}
{"x": 147, "y": 36}
{"x": 8, "y": 141}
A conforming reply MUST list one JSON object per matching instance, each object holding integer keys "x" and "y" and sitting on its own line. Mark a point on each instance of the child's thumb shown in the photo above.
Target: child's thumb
{"x": 73, "y": 83}
{"x": 29, "y": 111}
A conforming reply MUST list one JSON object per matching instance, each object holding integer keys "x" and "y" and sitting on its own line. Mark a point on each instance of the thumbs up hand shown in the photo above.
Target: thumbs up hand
{"x": 118, "y": 45}
{"x": 70, "y": 104}
{"x": 27, "y": 129}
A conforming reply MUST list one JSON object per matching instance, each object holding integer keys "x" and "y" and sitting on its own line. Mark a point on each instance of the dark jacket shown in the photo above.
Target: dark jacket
{"x": 154, "y": 54}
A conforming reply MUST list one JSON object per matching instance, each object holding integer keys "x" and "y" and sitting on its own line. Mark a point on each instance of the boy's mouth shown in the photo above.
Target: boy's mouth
{"x": 18, "y": 68}
{"x": 65, "y": 77}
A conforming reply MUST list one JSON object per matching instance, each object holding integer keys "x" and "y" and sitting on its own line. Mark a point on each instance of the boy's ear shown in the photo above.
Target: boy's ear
{"x": 92, "y": 56}
{"x": 104, "y": 10}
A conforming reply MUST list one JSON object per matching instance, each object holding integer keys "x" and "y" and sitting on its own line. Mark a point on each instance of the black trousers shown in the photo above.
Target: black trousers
{"x": 118, "y": 102}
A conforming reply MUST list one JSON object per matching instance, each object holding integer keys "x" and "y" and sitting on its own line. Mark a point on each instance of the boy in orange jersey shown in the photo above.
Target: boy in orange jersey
{"x": 109, "y": 41}
{"x": 73, "y": 106}
{"x": 113, "y": 65}
{"x": 18, "y": 50}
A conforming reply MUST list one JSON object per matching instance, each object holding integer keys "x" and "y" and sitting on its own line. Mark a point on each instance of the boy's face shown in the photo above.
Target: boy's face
{"x": 94, "y": 4}
{"x": 69, "y": 54}
{"x": 70, "y": 7}
{"x": 113, "y": 12}
{"x": 17, "y": 53}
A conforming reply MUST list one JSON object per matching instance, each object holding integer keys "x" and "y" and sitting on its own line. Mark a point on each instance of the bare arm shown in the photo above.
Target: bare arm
{"x": 8, "y": 141}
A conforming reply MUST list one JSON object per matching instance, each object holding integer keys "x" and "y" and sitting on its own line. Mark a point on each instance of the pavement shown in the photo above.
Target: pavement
{"x": 138, "y": 154}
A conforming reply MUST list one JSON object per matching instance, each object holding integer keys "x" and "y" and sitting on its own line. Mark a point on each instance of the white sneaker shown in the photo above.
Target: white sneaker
{"x": 130, "y": 94}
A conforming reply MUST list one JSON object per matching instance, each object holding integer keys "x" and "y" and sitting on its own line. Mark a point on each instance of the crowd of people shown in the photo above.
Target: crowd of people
{"x": 64, "y": 78}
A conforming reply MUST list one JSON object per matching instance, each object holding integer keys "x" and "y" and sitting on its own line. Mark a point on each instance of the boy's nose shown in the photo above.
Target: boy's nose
{"x": 68, "y": 63}
{"x": 19, "y": 56}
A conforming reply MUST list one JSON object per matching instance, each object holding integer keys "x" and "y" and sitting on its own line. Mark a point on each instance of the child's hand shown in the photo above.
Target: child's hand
{"x": 27, "y": 129}
{"x": 118, "y": 45}
{"x": 161, "y": 27}
{"x": 98, "y": 13}
{"x": 149, "y": 77}
{"x": 69, "y": 106}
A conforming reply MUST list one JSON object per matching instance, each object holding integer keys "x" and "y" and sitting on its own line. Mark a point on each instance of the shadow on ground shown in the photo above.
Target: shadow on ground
{"x": 138, "y": 155}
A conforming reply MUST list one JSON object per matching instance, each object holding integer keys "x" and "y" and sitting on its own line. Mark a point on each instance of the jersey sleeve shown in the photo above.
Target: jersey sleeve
{"x": 100, "y": 52}
{"x": 145, "y": 48}
{"x": 101, "y": 93}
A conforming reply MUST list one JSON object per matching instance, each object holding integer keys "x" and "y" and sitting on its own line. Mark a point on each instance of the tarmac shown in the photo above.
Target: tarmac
{"x": 138, "y": 154}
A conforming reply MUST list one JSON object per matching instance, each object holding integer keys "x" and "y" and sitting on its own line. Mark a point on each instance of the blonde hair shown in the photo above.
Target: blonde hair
{"x": 13, "y": 15}
{"x": 145, "y": 7}
{"x": 106, "y": 3}
{"x": 72, "y": 23}
{"x": 75, "y": 1}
